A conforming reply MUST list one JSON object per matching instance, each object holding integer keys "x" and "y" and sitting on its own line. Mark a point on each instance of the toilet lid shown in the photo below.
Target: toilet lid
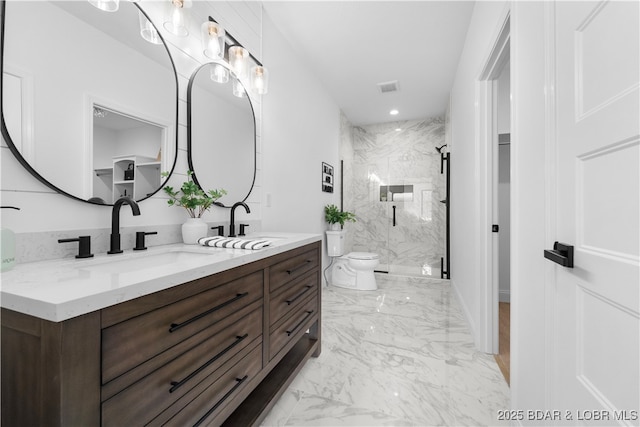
{"x": 363, "y": 255}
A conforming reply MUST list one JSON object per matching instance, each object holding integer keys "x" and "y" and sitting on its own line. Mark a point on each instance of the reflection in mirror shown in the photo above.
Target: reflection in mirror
{"x": 90, "y": 98}
{"x": 119, "y": 172}
{"x": 221, "y": 136}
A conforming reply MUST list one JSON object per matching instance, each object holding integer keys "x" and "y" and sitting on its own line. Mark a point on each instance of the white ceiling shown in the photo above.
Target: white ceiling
{"x": 354, "y": 45}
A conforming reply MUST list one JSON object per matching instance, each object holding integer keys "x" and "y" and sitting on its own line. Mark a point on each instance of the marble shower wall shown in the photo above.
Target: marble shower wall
{"x": 346, "y": 155}
{"x": 383, "y": 155}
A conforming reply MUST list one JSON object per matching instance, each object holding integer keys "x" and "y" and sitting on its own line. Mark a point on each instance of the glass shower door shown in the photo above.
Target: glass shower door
{"x": 400, "y": 218}
{"x": 412, "y": 240}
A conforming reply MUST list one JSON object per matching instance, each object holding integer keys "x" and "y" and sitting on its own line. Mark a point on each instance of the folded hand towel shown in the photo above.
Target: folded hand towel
{"x": 234, "y": 242}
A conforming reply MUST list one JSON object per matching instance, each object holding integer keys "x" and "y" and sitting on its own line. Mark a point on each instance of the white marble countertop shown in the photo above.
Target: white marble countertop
{"x": 61, "y": 289}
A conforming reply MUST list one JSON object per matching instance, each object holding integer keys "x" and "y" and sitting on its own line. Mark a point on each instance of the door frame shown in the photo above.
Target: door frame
{"x": 487, "y": 184}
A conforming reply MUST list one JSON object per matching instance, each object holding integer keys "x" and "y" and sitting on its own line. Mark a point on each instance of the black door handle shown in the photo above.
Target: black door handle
{"x": 560, "y": 254}
{"x": 394, "y": 215}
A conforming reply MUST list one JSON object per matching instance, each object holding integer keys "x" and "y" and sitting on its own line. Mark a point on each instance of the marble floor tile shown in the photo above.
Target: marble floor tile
{"x": 398, "y": 356}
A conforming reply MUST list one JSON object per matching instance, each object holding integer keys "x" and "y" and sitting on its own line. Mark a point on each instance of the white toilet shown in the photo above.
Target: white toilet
{"x": 354, "y": 270}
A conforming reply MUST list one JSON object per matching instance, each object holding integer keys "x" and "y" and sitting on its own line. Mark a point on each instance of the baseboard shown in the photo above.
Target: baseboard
{"x": 467, "y": 315}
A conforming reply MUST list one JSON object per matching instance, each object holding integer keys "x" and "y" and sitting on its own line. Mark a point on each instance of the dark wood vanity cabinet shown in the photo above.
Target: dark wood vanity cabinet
{"x": 217, "y": 350}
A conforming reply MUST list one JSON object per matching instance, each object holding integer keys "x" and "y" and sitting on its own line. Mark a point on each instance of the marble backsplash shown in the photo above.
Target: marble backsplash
{"x": 382, "y": 156}
{"x": 43, "y": 246}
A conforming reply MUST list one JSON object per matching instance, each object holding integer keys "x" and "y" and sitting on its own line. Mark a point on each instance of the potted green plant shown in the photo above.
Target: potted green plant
{"x": 336, "y": 218}
{"x": 196, "y": 202}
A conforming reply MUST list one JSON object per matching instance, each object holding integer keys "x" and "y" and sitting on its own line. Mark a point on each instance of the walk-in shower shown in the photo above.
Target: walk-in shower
{"x": 396, "y": 193}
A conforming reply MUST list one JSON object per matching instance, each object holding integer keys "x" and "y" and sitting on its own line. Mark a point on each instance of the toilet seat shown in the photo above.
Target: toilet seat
{"x": 363, "y": 255}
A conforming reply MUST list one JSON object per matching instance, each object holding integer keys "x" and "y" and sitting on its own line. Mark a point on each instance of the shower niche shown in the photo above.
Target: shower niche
{"x": 396, "y": 193}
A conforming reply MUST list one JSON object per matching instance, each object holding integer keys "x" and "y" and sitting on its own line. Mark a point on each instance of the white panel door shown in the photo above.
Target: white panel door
{"x": 595, "y": 305}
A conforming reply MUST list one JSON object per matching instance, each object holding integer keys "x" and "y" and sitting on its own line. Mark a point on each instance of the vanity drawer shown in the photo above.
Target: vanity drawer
{"x": 290, "y": 327}
{"x": 129, "y": 343}
{"x": 205, "y": 402}
{"x": 169, "y": 383}
{"x": 287, "y": 298}
{"x": 291, "y": 268}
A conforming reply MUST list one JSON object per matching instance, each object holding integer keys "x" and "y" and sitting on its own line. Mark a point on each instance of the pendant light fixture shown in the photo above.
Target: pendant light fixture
{"x": 259, "y": 78}
{"x": 106, "y": 5}
{"x": 219, "y": 73}
{"x": 213, "y": 43}
{"x": 213, "y": 36}
{"x": 147, "y": 30}
{"x": 176, "y": 17}
{"x": 239, "y": 60}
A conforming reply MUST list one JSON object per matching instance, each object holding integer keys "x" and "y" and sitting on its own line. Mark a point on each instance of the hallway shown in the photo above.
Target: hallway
{"x": 401, "y": 355}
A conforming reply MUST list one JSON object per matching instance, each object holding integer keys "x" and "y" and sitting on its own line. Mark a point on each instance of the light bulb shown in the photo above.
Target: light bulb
{"x": 177, "y": 23}
{"x": 212, "y": 40}
{"x": 238, "y": 60}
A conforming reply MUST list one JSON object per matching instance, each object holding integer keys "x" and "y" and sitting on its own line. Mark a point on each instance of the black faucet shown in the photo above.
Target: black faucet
{"x": 232, "y": 226}
{"x": 115, "y": 222}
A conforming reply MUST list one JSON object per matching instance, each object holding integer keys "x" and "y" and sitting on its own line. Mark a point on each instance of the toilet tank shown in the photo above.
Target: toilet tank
{"x": 335, "y": 243}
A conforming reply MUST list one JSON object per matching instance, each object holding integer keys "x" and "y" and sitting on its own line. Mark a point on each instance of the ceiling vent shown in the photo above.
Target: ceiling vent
{"x": 388, "y": 87}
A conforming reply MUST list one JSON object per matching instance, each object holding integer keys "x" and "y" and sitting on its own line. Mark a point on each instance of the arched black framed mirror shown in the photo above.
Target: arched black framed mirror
{"x": 89, "y": 107}
{"x": 221, "y": 134}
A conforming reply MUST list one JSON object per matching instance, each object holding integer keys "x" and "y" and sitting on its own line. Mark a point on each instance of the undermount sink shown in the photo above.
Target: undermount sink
{"x": 141, "y": 261}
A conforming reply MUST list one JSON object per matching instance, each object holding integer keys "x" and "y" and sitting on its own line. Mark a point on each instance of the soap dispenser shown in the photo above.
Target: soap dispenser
{"x": 7, "y": 246}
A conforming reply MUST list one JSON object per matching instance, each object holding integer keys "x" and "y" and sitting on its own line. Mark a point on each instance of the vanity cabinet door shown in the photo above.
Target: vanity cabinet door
{"x": 127, "y": 344}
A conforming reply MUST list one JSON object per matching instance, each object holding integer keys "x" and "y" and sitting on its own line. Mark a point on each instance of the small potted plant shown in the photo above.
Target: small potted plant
{"x": 196, "y": 202}
{"x": 336, "y": 218}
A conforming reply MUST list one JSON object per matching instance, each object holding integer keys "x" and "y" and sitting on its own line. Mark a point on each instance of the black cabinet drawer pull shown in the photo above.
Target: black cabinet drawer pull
{"x": 290, "y": 300}
{"x": 290, "y": 332}
{"x": 177, "y": 384}
{"x": 303, "y": 265}
{"x": 176, "y": 326}
{"x": 239, "y": 381}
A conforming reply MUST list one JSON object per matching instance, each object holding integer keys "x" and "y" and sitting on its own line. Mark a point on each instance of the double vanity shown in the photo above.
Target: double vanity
{"x": 177, "y": 335}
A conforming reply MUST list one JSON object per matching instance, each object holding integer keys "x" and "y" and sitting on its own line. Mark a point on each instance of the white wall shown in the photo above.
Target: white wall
{"x": 528, "y": 353}
{"x": 528, "y": 182}
{"x": 301, "y": 129}
{"x": 467, "y": 168}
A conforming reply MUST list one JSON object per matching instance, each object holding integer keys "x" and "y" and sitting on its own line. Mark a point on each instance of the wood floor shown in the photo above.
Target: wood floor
{"x": 503, "y": 357}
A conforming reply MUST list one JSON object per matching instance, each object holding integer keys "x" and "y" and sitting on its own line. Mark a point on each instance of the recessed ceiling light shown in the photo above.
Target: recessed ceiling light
{"x": 398, "y": 129}
{"x": 394, "y": 112}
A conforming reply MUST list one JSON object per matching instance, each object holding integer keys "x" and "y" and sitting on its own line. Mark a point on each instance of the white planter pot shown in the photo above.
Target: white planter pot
{"x": 194, "y": 229}
{"x": 335, "y": 227}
